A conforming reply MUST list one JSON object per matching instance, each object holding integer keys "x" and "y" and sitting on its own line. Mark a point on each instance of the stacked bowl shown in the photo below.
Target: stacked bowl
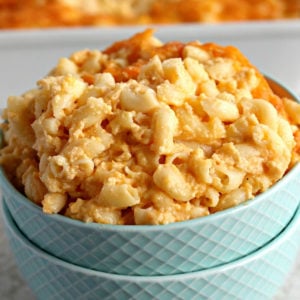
{"x": 244, "y": 252}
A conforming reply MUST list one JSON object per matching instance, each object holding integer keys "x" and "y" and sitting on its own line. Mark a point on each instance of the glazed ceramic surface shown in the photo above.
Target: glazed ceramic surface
{"x": 256, "y": 276}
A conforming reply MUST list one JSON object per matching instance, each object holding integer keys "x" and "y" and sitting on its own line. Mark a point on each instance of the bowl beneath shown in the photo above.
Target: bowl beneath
{"x": 256, "y": 276}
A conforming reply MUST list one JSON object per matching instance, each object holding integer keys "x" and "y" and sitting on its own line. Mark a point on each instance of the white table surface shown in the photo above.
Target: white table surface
{"x": 40, "y": 51}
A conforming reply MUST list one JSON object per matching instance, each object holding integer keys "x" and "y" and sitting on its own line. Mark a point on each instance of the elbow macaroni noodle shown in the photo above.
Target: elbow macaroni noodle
{"x": 149, "y": 133}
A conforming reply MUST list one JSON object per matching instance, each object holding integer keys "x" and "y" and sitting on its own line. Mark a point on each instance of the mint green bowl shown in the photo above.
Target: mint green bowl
{"x": 159, "y": 249}
{"x": 257, "y": 276}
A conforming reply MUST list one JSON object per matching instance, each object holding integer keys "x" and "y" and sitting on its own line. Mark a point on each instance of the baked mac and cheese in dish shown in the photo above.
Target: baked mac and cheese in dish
{"x": 15, "y": 14}
{"x": 149, "y": 133}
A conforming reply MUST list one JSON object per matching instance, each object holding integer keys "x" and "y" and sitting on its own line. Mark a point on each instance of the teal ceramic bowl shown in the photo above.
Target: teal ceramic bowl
{"x": 257, "y": 276}
{"x": 159, "y": 249}
{"x": 182, "y": 247}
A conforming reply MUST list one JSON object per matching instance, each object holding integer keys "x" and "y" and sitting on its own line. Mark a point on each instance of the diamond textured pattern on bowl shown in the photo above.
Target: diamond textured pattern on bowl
{"x": 258, "y": 276}
{"x": 206, "y": 243}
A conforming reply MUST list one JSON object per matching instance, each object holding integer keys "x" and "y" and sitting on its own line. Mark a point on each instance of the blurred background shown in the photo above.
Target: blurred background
{"x": 70, "y": 13}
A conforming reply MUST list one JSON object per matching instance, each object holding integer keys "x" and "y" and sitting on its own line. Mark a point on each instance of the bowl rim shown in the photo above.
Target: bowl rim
{"x": 7, "y": 186}
{"x": 13, "y": 230}
{"x": 10, "y": 189}
{"x": 280, "y": 89}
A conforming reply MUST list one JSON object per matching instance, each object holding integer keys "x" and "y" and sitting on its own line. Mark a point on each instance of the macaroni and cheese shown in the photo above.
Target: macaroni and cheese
{"x": 70, "y": 13}
{"x": 149, "y": 133}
